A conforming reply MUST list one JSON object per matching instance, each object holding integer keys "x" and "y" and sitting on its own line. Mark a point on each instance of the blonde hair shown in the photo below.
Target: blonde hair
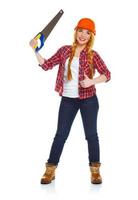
{"x": 89, "y": 51}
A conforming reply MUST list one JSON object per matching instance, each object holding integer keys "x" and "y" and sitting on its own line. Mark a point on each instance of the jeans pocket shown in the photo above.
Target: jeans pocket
{"x": 93, "y": 100}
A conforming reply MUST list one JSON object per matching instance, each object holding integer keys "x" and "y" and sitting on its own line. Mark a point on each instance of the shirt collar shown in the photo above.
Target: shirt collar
{"x": 84, "y": 51}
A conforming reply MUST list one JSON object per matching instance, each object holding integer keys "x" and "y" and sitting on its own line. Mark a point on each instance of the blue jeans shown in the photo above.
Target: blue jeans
{"x": 67, "y": 112}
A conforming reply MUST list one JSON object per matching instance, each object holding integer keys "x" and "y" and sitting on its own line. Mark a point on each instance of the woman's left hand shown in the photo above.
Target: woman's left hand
{"x": 87, "y": 82}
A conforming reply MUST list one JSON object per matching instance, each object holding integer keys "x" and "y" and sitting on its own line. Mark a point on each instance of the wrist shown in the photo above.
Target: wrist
{"x": 35, "y": 52}
{"x": 92, "y": 82}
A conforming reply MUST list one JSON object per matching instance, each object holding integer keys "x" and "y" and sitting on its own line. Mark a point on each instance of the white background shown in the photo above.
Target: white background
{"x": 29, "y": 105}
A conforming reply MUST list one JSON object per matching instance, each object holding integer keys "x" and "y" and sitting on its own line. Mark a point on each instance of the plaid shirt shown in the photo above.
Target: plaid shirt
{"x": 59, "y": 58}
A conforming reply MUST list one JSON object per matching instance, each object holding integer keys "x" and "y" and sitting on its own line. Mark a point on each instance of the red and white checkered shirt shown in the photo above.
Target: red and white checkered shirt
{"x": 60, "y": 57}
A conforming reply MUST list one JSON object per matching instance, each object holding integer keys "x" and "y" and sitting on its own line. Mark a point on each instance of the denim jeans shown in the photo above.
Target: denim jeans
{"x": 67, "y": 112}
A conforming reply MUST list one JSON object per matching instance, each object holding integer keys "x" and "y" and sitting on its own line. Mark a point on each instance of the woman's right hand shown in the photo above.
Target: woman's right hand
{"x": 33, "y": 43}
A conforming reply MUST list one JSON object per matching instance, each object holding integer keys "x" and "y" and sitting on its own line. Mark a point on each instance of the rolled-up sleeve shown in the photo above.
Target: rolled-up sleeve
{"x": 52, "y": 61}
{"x": 100, "y": 65}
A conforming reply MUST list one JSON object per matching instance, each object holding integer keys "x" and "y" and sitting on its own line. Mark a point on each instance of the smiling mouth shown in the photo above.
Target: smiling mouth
{"x": 81, "y": 39}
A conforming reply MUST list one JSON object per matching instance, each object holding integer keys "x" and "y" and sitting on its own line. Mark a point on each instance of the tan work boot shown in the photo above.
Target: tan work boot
{"x": 95, "y": 173}
{"x": 49, "y": 174}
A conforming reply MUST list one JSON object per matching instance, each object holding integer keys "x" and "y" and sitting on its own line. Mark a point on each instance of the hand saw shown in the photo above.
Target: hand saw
{"x": 42, "y": 36}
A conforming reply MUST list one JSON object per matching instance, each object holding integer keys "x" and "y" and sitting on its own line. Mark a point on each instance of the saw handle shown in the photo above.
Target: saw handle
{"x": 40, "y": 37}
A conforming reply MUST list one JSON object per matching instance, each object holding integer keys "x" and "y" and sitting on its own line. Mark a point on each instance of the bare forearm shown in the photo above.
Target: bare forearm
{"x": 99, "y": 79}
{"x": 40, "y": 59}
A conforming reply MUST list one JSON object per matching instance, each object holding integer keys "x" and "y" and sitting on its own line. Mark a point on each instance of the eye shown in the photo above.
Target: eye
{"x": 79, "y": 30}
{"x": 88, "y": 32}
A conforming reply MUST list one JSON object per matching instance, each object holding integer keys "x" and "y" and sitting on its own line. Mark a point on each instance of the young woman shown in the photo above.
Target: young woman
{"x": 75, "y": 84}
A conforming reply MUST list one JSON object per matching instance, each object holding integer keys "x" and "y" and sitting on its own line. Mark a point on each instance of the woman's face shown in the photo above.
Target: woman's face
{"x": 83, "y": 36}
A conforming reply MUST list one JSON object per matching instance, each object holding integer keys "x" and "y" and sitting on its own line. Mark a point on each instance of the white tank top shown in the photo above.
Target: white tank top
{"x": 70, "y": 88}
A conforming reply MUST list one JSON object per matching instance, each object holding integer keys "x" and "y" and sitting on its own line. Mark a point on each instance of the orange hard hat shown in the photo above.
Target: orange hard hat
{"x": 86, "y": 23}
